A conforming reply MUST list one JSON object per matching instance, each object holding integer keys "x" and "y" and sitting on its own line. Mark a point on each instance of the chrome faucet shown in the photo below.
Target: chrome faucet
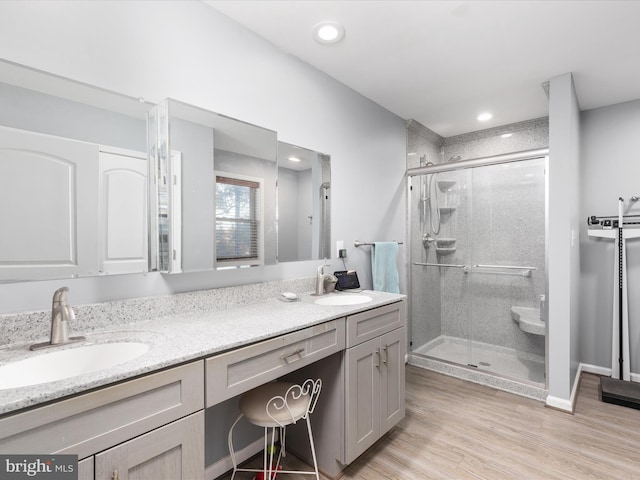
{"x": 320, "y": 278}
{"x": 61, "y": 313}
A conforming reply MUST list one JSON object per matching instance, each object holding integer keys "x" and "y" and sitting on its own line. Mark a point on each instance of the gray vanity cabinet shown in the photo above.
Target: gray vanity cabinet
{"x": 174, "y": 452}
{"x": 374, "y": 376}
{"x": 149, "y": 424}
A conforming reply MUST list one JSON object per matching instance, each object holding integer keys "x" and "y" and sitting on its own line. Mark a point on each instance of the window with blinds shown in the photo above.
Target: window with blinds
{"x": 238, "y": 220}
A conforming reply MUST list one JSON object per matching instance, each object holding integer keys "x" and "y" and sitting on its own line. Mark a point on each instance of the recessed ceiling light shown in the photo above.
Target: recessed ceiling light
{"x": 506, "y": 135}
{"x": 483, "y": 117}
{"x": 294, "y": 159}
{"x": 328, "y": 32}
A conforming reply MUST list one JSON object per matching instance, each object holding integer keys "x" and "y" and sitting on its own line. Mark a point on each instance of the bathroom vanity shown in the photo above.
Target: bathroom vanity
{"x": 146, "y": 417}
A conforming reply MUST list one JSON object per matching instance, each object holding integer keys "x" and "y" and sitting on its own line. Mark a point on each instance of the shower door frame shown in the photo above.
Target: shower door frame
{"x": 473, "y": 163}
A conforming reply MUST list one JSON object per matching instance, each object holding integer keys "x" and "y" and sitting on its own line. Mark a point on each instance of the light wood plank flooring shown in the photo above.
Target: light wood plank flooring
{"x": 459, "y": 430}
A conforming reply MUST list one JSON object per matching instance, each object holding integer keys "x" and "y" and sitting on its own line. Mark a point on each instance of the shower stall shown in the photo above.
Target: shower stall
{"x": 477, "y": 269}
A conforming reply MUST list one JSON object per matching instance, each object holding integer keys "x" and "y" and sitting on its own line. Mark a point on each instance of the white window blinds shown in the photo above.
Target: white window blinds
{"x": 237, "y": 219}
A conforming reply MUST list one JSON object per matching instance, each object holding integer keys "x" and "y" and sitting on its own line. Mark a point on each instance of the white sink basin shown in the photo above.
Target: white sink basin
{"x": 342, "y": 299}
{"x": 61, "y": 364}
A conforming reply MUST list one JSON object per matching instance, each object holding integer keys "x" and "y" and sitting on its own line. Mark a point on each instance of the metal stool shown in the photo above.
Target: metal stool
{"x": 276, "y": 405}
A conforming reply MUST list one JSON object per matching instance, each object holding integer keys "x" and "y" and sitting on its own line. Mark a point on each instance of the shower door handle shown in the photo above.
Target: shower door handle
{"x": 448, "y": 265}
{"x": 524, "y": 271}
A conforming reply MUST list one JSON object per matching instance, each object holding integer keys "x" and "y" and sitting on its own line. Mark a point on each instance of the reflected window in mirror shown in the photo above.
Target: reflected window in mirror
{"x": 239, "y": 220}
{"x": 196, "y": 234}
{"x": 304, "y": 204}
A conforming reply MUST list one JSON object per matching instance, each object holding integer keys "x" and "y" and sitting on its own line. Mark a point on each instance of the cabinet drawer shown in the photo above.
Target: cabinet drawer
{"x": 240, "y": 370}
{"x": 91, "y": 422}
{"x": 373, "y": 323}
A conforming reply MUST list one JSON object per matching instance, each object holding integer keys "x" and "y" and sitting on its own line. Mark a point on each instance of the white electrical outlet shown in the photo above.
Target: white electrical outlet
{"x": 339, "y": 246}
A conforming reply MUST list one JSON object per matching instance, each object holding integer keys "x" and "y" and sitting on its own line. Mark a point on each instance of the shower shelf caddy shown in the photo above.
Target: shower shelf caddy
{"x": 445, "y": 185}
{"x": 445, "y": 246}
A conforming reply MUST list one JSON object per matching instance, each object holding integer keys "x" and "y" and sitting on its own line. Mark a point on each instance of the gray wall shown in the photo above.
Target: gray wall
{"x": 190, "y": 52}
{"x": 195, "y": 143}
{"x": 38, "y": 112}
{"x": 288, "y": 206}
{"x": 563, "y": 244}
{"x": 610, "y": 168}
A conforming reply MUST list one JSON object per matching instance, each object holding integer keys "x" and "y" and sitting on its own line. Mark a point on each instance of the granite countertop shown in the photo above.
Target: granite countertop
{"x": 180, "y": 338}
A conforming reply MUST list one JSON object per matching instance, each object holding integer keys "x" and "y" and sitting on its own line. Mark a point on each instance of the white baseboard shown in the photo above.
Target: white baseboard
{"x": 570, "y": 404}
{"x": 559, "y": 403}
{"x": 606, "y": 372}
{"x": 595, "y": 369}
{"x": 224, "y": 464}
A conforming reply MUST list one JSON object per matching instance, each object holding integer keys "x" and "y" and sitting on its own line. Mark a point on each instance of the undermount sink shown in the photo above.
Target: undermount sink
{"x": 58, "y": 365}
{"x": 342, "y": 299}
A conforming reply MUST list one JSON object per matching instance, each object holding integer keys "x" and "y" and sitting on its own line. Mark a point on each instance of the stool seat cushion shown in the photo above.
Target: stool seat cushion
{"x": 253, "y": 405}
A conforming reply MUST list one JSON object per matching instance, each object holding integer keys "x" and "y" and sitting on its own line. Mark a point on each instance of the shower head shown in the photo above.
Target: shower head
{"x": 455, "y": 158}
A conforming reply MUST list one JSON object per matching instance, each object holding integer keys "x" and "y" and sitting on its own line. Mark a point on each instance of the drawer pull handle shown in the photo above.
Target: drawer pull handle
{"x": 386, "y": 355}
{"x": 377, "y": 364}
{"x": 295, "y": 353}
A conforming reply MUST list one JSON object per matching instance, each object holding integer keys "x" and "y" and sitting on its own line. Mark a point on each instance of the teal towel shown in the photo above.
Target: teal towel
{"x": 383, "y": 267}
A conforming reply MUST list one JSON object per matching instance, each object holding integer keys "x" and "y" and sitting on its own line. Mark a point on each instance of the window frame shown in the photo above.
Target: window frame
{"x": 259, "y": 215}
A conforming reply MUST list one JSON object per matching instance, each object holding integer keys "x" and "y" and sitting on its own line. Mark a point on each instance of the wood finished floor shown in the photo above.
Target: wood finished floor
{"x": 459, "y": 430}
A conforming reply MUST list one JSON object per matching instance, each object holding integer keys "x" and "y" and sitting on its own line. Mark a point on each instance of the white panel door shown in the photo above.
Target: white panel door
{"x": 123, "y": 212}
{"x": 48, "y": 205}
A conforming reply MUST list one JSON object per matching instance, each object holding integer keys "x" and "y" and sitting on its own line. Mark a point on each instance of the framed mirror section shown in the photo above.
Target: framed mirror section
{"x": 73, "y": 189}
{"x": 304, "y": 204}
{"x": 213, "y": 204}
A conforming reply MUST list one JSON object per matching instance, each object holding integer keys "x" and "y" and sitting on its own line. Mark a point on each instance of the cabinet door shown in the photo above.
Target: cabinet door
{"x": 393, "y": 348}
{"x": 362, "y": 394}
{"x": 123, "y": 212}
{"x": 48, "y": 201}
{"x": 85, "y": 469}
{"x": 172, "y": 452}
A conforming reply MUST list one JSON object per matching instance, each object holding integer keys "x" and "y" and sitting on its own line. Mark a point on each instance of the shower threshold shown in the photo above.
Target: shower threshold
{"x": 498, "y": 367}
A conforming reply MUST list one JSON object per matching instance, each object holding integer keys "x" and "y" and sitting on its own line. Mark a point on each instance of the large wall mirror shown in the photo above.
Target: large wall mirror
{"x": 304, "y": 204}
{"x": 73, "y": 188}
{"x": 77, "y": 198}
{"x": 216, "y": 194}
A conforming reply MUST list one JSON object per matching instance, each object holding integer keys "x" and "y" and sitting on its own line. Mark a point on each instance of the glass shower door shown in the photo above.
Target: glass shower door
{"x": 506, "y": 268}
{"x": 439, "y": 239}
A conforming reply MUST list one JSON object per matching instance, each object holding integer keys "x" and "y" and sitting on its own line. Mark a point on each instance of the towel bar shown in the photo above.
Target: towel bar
{"x": 358, "y": 243}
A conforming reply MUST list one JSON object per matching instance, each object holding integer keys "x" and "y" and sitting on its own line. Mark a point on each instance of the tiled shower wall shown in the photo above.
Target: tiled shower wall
{"x": 504, "y": 231}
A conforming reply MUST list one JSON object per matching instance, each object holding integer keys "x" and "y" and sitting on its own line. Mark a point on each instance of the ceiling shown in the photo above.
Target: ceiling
{"x": 444, "y": 62}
